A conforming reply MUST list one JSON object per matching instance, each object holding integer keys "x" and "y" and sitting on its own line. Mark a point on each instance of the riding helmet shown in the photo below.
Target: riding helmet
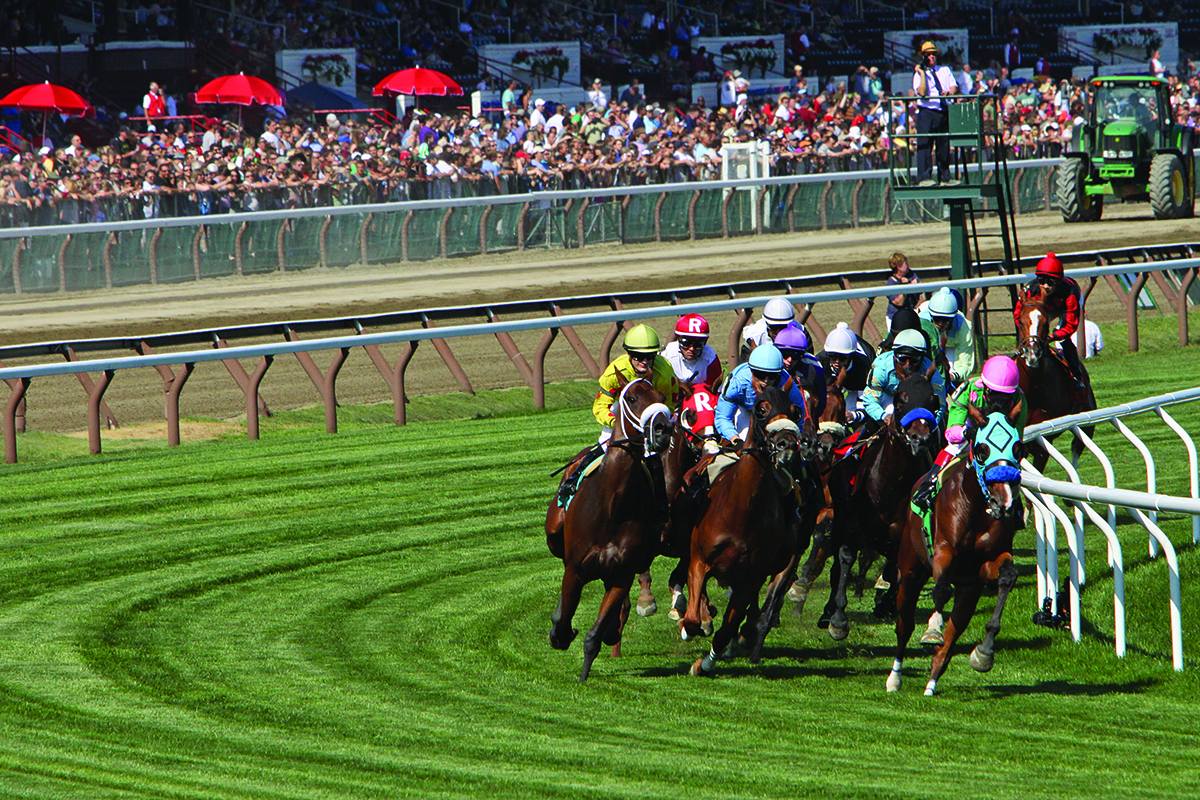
{"x": 766, "y": 358}
{"x": 1000, "y": 374}
{"x": 642, "y": 339}
{"x": 943, "y": 303}
{"x": 778, "y": 311}
{"x": 693, "y": 326}
{"x": 911, "y": 342}
{"x": 841, "y": 340}
{"x": 792, "y": 337}
{"x": 1049, "y": 267}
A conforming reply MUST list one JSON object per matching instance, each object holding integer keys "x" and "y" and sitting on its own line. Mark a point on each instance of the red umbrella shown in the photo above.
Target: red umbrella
{"x": 417, "y": 81}
{"x": 47, "y": 97}
{"x": 240, "y": 89}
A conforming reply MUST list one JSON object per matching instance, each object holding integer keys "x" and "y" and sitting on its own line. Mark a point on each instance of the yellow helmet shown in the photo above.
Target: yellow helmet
{"x": 642, "y": 339}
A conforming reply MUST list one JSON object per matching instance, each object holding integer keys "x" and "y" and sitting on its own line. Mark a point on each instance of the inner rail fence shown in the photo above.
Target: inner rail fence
{"x": 92, "y": 255}
{"x": 1045, "y": 496}
{"x": 499, "y": 320}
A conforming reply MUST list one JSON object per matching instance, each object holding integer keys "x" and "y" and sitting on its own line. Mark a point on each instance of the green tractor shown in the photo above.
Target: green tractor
{"x": 1129, "y": 147}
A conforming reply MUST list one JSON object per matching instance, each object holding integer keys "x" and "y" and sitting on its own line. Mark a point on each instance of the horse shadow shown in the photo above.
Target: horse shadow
{"x": 1064, "y": 688}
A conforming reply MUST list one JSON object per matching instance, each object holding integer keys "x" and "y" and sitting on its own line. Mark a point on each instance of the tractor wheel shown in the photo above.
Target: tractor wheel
{"x": 1076, "y": 204}
{"x": 1169, "y": 193}
{"x": 1189, "y": 205}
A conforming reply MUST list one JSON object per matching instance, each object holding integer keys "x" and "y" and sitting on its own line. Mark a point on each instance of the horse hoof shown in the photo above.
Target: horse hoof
{"x": 930, "y": 688}
{"x": 823, "y": 622}
{"x": 982, "y": 662}
{"x": 893, "y": 682}
{"x": 837, "y": 634}
{"x": 647, "y": 609}
{"x": 562, "y": 642}
{"x": 933, "y": 636}
{"x": 798, "y": 593}
{"x": 678, "y": 606}
{"x": 697, "y": 669}
{"x": 706, "y": 628}
{"x": 692, "y": 630}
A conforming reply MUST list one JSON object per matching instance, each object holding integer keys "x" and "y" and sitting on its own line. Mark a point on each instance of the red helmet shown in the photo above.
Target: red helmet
{"x": 693, "y": 326}
{"x": 1050, "y": 266}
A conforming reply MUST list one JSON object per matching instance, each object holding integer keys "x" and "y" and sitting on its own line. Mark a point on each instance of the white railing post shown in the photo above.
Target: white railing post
{"x": 1173, "y": 578}
{"x": 1193, "y": 466}
{"x": 1151, "y": 474}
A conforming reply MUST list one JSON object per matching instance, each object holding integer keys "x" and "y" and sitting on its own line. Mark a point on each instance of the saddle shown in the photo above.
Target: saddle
{"x": 926, "y": 514}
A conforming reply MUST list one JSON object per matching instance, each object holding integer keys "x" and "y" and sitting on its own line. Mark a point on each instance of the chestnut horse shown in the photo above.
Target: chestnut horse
{"x": 747, "y": 531}
{"x": 973, "y": 520}
{"x": 1049, "y": 389}
{"x": 871, "y": 510}
{"x": 612, "y": 529}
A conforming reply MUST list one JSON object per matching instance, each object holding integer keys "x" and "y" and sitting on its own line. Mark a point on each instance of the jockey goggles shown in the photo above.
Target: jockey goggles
{"x": 689, "y": 342}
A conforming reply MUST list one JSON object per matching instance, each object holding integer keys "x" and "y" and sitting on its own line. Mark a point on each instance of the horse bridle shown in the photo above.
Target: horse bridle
{"x": 652, "y": 416}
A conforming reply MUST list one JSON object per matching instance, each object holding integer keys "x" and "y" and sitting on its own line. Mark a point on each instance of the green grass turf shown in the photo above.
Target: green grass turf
{"x": 364, "y": 615}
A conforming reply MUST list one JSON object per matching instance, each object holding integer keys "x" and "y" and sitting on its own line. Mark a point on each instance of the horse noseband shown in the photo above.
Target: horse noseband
{"x": 784, "y": 439}
{"x": 656, "y": 423}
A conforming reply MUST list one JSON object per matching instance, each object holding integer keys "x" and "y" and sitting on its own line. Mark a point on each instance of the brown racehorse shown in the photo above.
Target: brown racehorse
{"x": 973, "y": 519}
{"x": 872, "y": 510}
{"x": 1050, "y": 391}
{"x": 612, "y": 531}
{"x": 747, "y": 531}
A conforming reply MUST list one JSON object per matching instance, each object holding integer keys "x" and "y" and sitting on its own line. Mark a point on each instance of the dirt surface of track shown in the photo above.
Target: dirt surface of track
{"x": 57, "y": 404}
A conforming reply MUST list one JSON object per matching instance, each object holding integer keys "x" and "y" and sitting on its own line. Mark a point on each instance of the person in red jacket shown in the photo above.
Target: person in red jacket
{"x": 1061, "y": 299}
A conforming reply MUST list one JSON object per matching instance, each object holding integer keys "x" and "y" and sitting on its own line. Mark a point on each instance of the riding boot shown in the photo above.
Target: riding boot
{"x": 923, "y": 494}
{"x": 1071, "y": 356}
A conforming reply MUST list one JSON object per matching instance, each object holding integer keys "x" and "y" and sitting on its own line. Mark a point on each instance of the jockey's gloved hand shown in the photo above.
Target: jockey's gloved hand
{"x": 735, "y": 443}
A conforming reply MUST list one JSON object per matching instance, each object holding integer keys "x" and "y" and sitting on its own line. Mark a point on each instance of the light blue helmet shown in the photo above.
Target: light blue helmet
{"x": 943, "y": 303}
{"x": 766, "y": 358}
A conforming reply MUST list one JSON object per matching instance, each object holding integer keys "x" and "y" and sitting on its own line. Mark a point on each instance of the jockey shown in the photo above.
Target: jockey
{"x": 952, "y": 332}
{"x": 1061, "y": 298}
{"x": 695, "y": 362}
{"x": 997, "y": 389}
{"x": 764, "y": 368}
{"x": 846, "y": 350}
{"x": 696, "y": 365}
{"x": 641, "y": 360}
{"x": 909, "y": 356}
{"x": 804, "y": 367}
{"x": 777, "y": 313}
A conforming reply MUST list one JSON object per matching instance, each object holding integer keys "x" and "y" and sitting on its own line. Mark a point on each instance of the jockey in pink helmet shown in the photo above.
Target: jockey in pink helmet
{"x": 998, "y": 388}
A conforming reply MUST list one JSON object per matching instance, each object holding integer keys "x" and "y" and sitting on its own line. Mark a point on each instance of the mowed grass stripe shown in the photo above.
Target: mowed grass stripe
{"x": 365, "y": 615}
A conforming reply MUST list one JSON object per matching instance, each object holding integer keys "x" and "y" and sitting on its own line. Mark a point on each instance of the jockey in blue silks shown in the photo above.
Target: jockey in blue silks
{"x": 764, "y": 368}
{"x": 908, "y": 357}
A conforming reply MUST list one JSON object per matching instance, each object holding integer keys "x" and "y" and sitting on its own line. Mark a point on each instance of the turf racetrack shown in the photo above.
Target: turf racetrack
{"x": 364, "y": 615}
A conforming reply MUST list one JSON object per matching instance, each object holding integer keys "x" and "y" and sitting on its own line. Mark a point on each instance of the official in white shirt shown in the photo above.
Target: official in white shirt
{"x": 932, "y": 83}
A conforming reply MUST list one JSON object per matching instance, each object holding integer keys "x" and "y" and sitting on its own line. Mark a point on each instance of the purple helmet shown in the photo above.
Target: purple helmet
{"x": 792, "y": 337}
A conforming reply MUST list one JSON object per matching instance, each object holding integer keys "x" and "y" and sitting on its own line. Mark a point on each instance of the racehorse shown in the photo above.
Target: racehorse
{"x": 972, "y": 522}
{"x": 871, "y": 512}
{"x": 613, "y": 529}
{"x": 1049, "y": 389}
{"x": 747, "y": 531}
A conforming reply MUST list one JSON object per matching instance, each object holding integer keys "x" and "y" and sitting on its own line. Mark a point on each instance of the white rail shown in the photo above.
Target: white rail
{"x": 1044, "y": 492}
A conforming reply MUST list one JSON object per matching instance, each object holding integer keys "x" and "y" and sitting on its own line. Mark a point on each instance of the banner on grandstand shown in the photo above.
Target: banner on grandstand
{"x": 540, "y": 64}
{"x": 1126, "y": 45}
{"x": 335, "y": 68}
{"x": 904, "y": 47}
{"x": 753, "y": 55}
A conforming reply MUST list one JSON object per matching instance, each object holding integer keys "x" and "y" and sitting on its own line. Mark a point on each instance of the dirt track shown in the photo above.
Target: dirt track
{"x": 366, "y": 290}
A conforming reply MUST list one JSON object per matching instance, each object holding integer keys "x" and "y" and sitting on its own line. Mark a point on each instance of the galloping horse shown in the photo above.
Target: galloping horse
{"x": 872, "y": 511}
{"x": 747, "y": 532}
{"x": 972, "y": 521}
{"x": 1049, "y": 389}
{"x": 612, "y": 531}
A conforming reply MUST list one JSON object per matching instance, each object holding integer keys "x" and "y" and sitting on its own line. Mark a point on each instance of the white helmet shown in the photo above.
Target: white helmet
{"x": 778, "y": 311}
{"x": 841, "y": 340}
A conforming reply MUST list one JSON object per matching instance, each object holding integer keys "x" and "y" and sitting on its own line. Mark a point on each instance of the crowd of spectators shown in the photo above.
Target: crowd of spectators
{"x": 536, "y": 145}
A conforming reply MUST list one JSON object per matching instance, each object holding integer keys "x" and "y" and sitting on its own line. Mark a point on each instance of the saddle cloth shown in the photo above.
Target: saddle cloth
{"x": 927, "y": 515}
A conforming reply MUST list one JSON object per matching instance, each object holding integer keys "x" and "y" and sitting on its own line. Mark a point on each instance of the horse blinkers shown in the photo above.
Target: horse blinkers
{"x": 783, "y": 440}
{"x": 918, "y": 427}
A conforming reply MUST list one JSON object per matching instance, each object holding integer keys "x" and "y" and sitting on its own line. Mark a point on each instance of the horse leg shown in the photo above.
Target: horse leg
{"x": 689, "y": 626}
{"x": 646, "y": 607}
{"x": 943, "y": 566}
{"x": 748, "y": 631}
{"x": 606, "y": 630}
{"x": 1004, "y": 572}
{"x": 865, "y": 560}
{"x": 771, "y": 605}
{"x": 561, "y": 632}
{"x": 734, "y": 613}
{"x": 913, "y": 575}
{"x": 966, "y": 597}
{"x": 677, "y": 581}
{"x": 885, "y": 597}
{"x": 839, "y": 623}
{"x": 812, "y": 567}
{"x": 616, "y": 645}
{"x": 556, "y": 523}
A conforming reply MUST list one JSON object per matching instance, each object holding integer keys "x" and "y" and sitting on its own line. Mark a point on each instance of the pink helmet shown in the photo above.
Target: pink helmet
{"x": 1000, "y": 374}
